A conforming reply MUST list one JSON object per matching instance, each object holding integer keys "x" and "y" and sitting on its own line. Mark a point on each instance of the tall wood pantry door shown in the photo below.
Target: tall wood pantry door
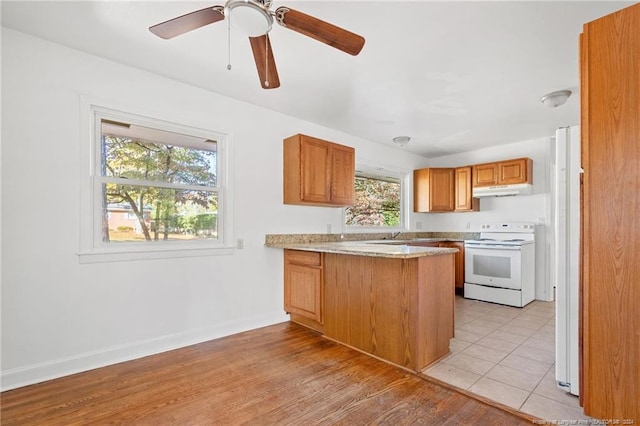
{"x": 610, "y": 288}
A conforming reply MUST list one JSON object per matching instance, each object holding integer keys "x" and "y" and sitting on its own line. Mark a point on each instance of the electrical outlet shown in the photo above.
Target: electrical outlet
{"x": 418, "y": 225}
{"x": 468, "y": 225}
{"x": 240, "y": 243}
{"x": 328, "y": 228}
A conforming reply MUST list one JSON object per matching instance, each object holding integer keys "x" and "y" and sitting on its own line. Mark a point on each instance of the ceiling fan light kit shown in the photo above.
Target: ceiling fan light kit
{"x": 255, "y": 19}
{"x": 555, "y": 99}
{"x": 250, "y": 17}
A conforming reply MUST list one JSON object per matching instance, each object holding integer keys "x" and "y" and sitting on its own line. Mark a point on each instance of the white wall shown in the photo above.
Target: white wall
{"x": 60, "y": 316}
{"x": 534, "y": 208}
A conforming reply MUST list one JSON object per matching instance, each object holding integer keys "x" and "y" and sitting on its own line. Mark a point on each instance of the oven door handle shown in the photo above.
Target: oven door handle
{"x": 491, "y": 247}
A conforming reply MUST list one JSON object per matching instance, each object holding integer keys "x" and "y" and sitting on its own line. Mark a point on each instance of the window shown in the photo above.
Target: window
{"x": 379, "y": 200}
{"x": 156, "y": 186}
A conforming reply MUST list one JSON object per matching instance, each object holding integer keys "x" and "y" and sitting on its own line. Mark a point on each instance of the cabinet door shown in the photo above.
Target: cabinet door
{"x": 514, "y": 171}
{"x": 441, "y": 190}
{"x": 342, "y": 175}
{"x": 303, "y": 284}
{"x": 421, "y": 190}
{"x": 315, "y": 156}
{"x": 459, "y": 262}
{"x": 485, "y": 174}
{"x": 433, "y": 190}
{"x": 464, "y": 200}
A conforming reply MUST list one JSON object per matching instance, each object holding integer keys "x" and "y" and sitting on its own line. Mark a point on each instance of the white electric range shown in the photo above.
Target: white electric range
{"x": 500, "y": 266}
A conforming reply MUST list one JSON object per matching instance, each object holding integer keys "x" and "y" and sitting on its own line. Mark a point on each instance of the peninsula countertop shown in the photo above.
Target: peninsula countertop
{"x": 369, "y": 248}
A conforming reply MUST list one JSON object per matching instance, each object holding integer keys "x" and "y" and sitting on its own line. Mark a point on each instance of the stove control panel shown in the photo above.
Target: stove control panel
{"x": 508, "y": 227}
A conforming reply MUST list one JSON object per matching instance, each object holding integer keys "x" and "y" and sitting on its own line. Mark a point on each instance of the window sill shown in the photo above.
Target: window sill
{"x": 110, "y": 255}
{"x": 350, "y": 229}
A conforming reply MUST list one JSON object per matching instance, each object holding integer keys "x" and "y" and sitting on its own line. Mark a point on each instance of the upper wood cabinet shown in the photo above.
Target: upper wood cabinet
{"x": 610, "y": 202}
{"x": 485, "y": 174}
{"x": 464, "y": 201}
{"x": 317, "y": 172}
{"x": 433, "y": 190}
{"x": 507, "y": 172}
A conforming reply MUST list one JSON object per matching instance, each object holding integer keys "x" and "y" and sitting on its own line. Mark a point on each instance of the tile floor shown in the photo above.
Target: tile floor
{"x": 508, "y": 355}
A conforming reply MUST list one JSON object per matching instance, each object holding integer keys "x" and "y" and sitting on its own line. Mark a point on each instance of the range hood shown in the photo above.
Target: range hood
{"x": 503, "y": 190}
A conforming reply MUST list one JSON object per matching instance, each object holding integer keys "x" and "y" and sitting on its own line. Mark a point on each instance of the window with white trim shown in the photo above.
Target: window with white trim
{"x": 156, "y": 186}
{"x": 379, "y": 200}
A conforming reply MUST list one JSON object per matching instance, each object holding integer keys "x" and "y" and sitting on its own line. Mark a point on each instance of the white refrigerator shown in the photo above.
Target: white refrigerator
{"x": 566, "y": 172}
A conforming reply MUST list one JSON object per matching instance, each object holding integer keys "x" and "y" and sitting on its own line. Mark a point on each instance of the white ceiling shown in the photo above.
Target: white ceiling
{"x": 454, "y": 76}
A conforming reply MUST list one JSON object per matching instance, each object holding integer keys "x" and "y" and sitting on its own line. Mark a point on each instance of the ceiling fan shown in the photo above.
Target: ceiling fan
{"x": 255, "y": 18}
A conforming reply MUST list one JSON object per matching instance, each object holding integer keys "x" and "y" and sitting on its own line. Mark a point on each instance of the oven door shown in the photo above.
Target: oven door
{"x": 493, "y": 265}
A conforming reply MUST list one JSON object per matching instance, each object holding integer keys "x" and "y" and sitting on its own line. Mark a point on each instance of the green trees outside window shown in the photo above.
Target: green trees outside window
{"x": 377, "y": 202}
{"x": 157, "y": 191}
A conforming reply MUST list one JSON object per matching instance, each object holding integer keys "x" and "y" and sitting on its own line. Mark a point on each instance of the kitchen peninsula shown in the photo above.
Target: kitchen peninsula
{"x": 391, "y": 300}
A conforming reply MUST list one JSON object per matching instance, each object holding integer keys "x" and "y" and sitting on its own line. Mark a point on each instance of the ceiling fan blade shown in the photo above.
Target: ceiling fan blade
{"x": 265, "y": 62}
{"x": 320, "y": 30}
{"x": 189, "y": 22}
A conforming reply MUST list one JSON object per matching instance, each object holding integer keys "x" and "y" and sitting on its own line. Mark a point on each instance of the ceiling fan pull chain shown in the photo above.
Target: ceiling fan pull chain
{"x": 266, "y": 61}
{"x": 229, "y": 43}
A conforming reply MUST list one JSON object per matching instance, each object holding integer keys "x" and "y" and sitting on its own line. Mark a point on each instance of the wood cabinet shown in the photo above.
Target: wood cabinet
{"x": 433, "y": 190}
{"x": 485, "y": 174}
{"x": 395, "y": 308}
{"x": 519, "y": 170}
{"x": 400, "y": 310}
{"x": 459, "y": 258}
{"x": 610, "y": 235}
{"x": 459, "y": 263}
{"x": 464, "y": 201}
{"x": 303, "y": 287}
{"x": 318, "y": 172}
{"x": 451, "y": 189}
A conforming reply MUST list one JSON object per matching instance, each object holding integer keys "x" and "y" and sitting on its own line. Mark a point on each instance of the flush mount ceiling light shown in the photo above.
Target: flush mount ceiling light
{"x": 555, "y": 99}
{"x": 249, "y": 16}
{"x": 401, "y": 140}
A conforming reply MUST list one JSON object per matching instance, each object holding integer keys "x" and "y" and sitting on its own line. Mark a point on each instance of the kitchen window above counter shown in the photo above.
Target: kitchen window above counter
{"x": 380, "y": 199}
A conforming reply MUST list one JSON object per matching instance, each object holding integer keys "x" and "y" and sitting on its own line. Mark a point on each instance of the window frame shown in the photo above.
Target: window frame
{"x": 92, "y": 248}
{"x": 383, "y": 172}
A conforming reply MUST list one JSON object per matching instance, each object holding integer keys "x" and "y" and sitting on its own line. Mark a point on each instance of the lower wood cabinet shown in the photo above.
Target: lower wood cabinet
{"x": 397, "y": 309}
{"x": 400, "y": 310}
{"x": 459, "y": 259}
{"x": 303, "y": 287}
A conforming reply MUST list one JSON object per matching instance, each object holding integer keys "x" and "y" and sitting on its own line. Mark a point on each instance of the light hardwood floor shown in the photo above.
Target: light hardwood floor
{"x": 284, "y": 374}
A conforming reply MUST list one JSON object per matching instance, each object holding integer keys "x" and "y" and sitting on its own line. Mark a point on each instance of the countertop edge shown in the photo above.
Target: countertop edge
{"x": 276, "y": 240}
{"x": 364, "y": 249}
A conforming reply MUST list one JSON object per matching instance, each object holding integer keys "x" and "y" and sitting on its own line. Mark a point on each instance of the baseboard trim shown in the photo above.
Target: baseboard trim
{"x": 40, "y": 372}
